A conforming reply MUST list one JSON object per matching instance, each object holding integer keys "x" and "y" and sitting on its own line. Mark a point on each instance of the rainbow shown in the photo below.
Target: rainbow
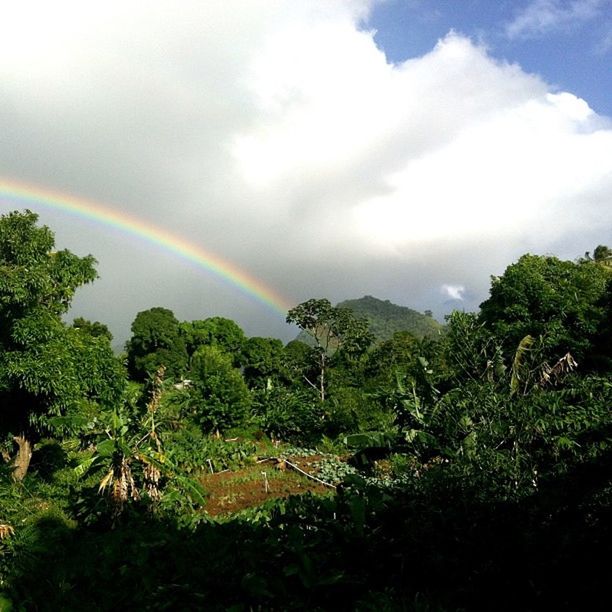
{"x": 20, "y": 194}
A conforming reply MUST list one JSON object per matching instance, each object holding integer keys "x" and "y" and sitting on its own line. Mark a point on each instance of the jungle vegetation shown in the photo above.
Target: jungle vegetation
{"x": 465, "y": 469}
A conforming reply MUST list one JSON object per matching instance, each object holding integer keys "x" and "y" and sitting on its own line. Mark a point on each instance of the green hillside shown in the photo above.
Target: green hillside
{"x": 386, "y": 318}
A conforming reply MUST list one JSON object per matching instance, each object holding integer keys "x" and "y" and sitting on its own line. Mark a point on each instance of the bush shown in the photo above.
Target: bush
{"x": 219, "y": 395}
{"x": 294, "y": 416}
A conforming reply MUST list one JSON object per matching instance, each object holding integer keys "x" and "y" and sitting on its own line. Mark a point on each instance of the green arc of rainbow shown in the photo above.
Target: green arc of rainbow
{"x": 26, "y": 194}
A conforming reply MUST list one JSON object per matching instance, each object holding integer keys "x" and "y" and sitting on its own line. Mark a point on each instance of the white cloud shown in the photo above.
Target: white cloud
{"x": 543, "y": 16}
{"x": 276, "y": 134}
{"x": 454, "y": 292}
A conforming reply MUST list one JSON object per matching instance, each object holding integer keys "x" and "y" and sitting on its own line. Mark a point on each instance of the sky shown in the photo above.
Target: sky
{"x": 406, "y": 149}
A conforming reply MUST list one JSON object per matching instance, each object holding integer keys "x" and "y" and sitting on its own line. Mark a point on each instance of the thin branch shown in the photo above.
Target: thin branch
{"x": 310, "y": 383}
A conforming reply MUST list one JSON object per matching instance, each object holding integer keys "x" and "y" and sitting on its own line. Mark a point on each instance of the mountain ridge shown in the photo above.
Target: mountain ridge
{"x": 386, "y": 318}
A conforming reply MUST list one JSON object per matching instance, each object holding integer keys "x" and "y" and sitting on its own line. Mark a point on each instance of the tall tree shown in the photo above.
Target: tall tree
{"x": 262, "y": 361}
{"x": 46, "y": 368}
{"x": 214, "y": 331}
{"x": 156, "y": 340}
{"x": 603, "y": 254}
{"x": 560, "y": 301}
{"x": 336, "y": 333}
{"x": 219, "y": 396}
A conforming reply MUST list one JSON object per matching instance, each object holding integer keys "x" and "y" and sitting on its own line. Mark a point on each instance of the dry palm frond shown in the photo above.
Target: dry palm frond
{"x": 6, "y": 531}
{"x": 124, "y": 486}
{"x": 151, "y": 476}
{"x": 108, "y": 479}
{"x": 121, "y": 483}
{"x": 156, "y": 394}
{"x": 550, "y": 375}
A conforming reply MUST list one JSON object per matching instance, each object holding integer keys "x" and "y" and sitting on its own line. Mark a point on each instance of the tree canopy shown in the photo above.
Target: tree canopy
{"x": 156, "y": 340}
{"x": 214, "y": 331}
{"x": 562, "y": 302}
{"x": 46, "y": 368}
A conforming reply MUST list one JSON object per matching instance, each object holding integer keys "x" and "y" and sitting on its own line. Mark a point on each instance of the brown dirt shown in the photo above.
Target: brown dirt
{"x": 230, "y": 492}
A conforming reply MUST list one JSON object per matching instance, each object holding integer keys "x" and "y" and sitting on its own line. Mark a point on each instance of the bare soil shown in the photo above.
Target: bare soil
{"x": 232, "y": 491}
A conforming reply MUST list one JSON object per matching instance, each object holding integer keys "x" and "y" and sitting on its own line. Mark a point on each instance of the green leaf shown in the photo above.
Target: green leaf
{"x": 106, "y": 448}
{"x": 82, "y": 468}
{"x": 370, "y": 439}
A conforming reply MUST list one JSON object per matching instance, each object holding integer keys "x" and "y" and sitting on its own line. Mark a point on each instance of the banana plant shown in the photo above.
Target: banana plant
{"x": 131, "y": 456}
{"x": 414, "y": 402}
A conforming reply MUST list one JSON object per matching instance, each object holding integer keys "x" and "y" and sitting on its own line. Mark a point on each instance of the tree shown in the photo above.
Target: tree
{"x": 156, "y": 340}
{"x": 298, "y": 364}
{"x": 131, "y": 457}
{"x": 219, "y": 396}
{"x": 95, "y": 329}
{"x": 46, "y": 368}
{"x": 262, "y": 361}
{"x": 602, "y": 256}
{"x": 214, "y": 331}
{"x": 336, "y": 333}
{"x": 391, "y": 356}
{"x": 470, "y": 351}
{"x": 560, "y": 301}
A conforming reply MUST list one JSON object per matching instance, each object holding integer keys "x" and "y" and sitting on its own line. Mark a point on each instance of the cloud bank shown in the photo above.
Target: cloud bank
{"x": 277, "y": 135}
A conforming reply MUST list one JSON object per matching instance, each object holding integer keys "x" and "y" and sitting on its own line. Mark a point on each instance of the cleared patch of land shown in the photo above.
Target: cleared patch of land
{"x": 235, "y": 490}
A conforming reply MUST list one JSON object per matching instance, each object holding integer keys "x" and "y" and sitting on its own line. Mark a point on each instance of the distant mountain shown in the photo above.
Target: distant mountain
{"x": 386, "y": 318}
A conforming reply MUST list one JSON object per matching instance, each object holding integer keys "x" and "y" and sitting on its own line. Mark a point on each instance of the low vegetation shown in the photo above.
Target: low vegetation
{"x": 202, "y": 469}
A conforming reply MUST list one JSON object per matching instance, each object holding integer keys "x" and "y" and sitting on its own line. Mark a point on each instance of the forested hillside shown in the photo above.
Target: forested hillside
{"x": 385, "y": 319}
{"x": 373, "y": 469}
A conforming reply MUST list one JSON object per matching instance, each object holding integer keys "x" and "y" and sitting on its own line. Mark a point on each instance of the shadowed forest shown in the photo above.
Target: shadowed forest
{"x": 374, "y": 463}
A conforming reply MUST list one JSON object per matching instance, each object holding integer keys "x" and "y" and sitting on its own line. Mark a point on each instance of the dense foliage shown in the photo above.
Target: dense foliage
{"x": 473, "y": 470}
{"x": 561, "y": 302}
{"x": 156, "y": 340}
{"x": 46, "y": 368}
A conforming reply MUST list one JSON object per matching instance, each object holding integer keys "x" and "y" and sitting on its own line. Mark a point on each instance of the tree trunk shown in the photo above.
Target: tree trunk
{"x": 22, "y": 460}
{"x": 322, "y": 378}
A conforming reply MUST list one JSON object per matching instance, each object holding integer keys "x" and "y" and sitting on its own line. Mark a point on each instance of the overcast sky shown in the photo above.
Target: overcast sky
{"x": 330, "y": 148}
